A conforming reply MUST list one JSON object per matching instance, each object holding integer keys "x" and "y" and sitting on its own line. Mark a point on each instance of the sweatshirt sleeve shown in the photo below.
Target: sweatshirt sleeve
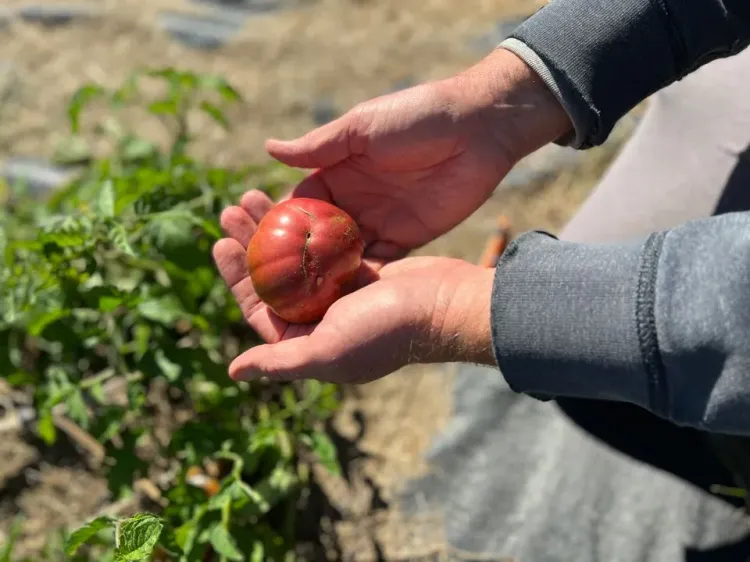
{"x": 663, "y": 322}
{"x": 603, "y": 57}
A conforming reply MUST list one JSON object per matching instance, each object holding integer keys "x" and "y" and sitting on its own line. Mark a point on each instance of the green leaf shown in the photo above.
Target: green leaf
{"x": 74, "y": 150}
{"x": 109, "y": 303}
{"x": 46, "y": 428}
{"x": 82, "y": 97}
{"x": 119, "y": 238}
{"x": 220, "y": 85}
{"x": 6, "y": 552}
{"x": 141, "y": 340}
{"x": 89, "y": 530}
{"x": 165, "y": 310}
{"x": 257, "y": 553}
{"x": 106, "y": 201}
{"x": 164, "y": 107}
{"x": 170, "y": 369}
{"x": 39, "y": 323}
{"x": 134, "y": 149}
{"x": 224, "y": 543}
{"x": 272, "y": 490}
{"x": 325, "y": 450}
{"x": 77, "y": 409}
{"x": 138, "y": 536}
{"x": 215, "y": 113}
{"x": 239, "y": 494}
{"x": 187, "y": 533}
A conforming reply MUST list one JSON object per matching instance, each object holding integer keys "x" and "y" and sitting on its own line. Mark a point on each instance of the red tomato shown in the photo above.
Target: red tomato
{"x": 302, "y": 255}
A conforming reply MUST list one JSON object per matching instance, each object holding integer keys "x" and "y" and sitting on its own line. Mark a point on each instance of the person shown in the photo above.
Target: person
{"x": 646, "y": 313}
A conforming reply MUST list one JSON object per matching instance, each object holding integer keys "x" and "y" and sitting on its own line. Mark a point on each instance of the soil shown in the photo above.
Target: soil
{"x": 335, "y": 52}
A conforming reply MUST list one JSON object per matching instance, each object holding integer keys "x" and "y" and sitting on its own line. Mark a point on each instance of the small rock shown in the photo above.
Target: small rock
{"x": 54, "y": 15}
{"x": 202, "y": 32}
{"x": 542, "y": 165}
{"x": 402, "y": 84}
{"x": 324, "y": 111}
{"x": 493, "y": 38}
{"x": 248, "y": 6}
{"x": 5, "y": 17}
{"x": 39, "y": 175}
{"x": 8, "y": 78}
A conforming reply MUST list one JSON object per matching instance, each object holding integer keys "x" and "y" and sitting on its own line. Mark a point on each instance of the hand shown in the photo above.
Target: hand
{"x": 412, "y": 165}
{"x": 414, "y": 310}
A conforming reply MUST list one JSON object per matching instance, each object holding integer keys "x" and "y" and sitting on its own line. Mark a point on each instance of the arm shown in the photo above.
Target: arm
{"x": 603, "y": 58}
{"x": 662, "y": 322}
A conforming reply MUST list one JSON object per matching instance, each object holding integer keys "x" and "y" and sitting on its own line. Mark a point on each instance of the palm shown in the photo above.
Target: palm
{"x": 392, "y": 301}
{"x": 405, "y": 166}
{"x": 240, "y": 223}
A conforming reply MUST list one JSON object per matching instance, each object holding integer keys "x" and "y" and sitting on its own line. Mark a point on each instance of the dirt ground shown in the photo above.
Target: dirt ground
{"x": 340, "y": 51}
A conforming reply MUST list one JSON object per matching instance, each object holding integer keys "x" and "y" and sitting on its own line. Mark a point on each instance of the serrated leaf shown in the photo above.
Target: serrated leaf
{"x": 105, "y": 203}
{"x": 171, "y": 229}
{"x": 169, "y": 368}
{"x": 119, "y": 238}
{"x": 89, "y": 530}
{"x": 138, "y": 536}
{"x": 224, "y": 544}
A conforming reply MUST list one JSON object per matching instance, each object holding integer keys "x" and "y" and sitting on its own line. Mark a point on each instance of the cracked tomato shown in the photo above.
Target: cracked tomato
{"x": 301, "y": 257}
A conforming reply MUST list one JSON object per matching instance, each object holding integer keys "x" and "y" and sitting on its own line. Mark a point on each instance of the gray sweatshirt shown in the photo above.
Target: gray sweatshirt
{"x": 662, "y": 322}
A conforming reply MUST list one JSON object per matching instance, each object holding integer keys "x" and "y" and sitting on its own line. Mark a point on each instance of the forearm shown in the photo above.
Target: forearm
{"x": 603, "y": 58}
{"x": 661, "y": 322}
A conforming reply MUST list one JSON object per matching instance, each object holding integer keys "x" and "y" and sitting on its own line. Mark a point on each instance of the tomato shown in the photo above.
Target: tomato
{"x": 302, "y": 256}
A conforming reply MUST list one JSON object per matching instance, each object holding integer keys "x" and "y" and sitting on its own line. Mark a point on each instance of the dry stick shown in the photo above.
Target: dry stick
{"x": 497, "y": 243}
{"x": 82, "y": 437}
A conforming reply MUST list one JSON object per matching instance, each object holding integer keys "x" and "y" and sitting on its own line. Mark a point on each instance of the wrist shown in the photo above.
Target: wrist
{"x": 465, "y": 334}
{"x": 510, "y": 101}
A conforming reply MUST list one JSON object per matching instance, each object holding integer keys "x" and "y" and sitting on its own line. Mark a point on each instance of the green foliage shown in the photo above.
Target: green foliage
{"x": 111, "y": 311}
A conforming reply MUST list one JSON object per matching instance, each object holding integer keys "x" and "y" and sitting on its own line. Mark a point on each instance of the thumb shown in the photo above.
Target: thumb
{"x": 320, "y": 148}
{"x": 290, "y": 359}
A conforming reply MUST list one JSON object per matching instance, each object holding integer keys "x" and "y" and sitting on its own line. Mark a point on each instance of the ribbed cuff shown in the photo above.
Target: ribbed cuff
{"x": 566, "y": 319}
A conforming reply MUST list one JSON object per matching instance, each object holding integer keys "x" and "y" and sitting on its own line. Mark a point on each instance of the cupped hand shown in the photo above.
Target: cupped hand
{"x": 411, "y": 165}
{"x": 413, "y": 310}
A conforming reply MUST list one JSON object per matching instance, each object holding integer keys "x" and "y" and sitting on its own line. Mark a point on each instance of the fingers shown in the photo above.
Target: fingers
{"x": 229, "y": 256}
{"x": 320, "y": 148}
{"x": 237, "y": 224}
{"x": 256, "y": 204}
{"x": 290, "y": 359}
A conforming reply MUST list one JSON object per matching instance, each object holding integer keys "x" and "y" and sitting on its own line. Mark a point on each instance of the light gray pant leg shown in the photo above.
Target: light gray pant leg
{"x": 679, "y": 160}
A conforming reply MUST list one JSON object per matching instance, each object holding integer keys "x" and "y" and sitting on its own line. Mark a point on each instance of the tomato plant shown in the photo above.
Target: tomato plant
{"x": 302, "y": 257}
{"x": 113, "y": 316}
